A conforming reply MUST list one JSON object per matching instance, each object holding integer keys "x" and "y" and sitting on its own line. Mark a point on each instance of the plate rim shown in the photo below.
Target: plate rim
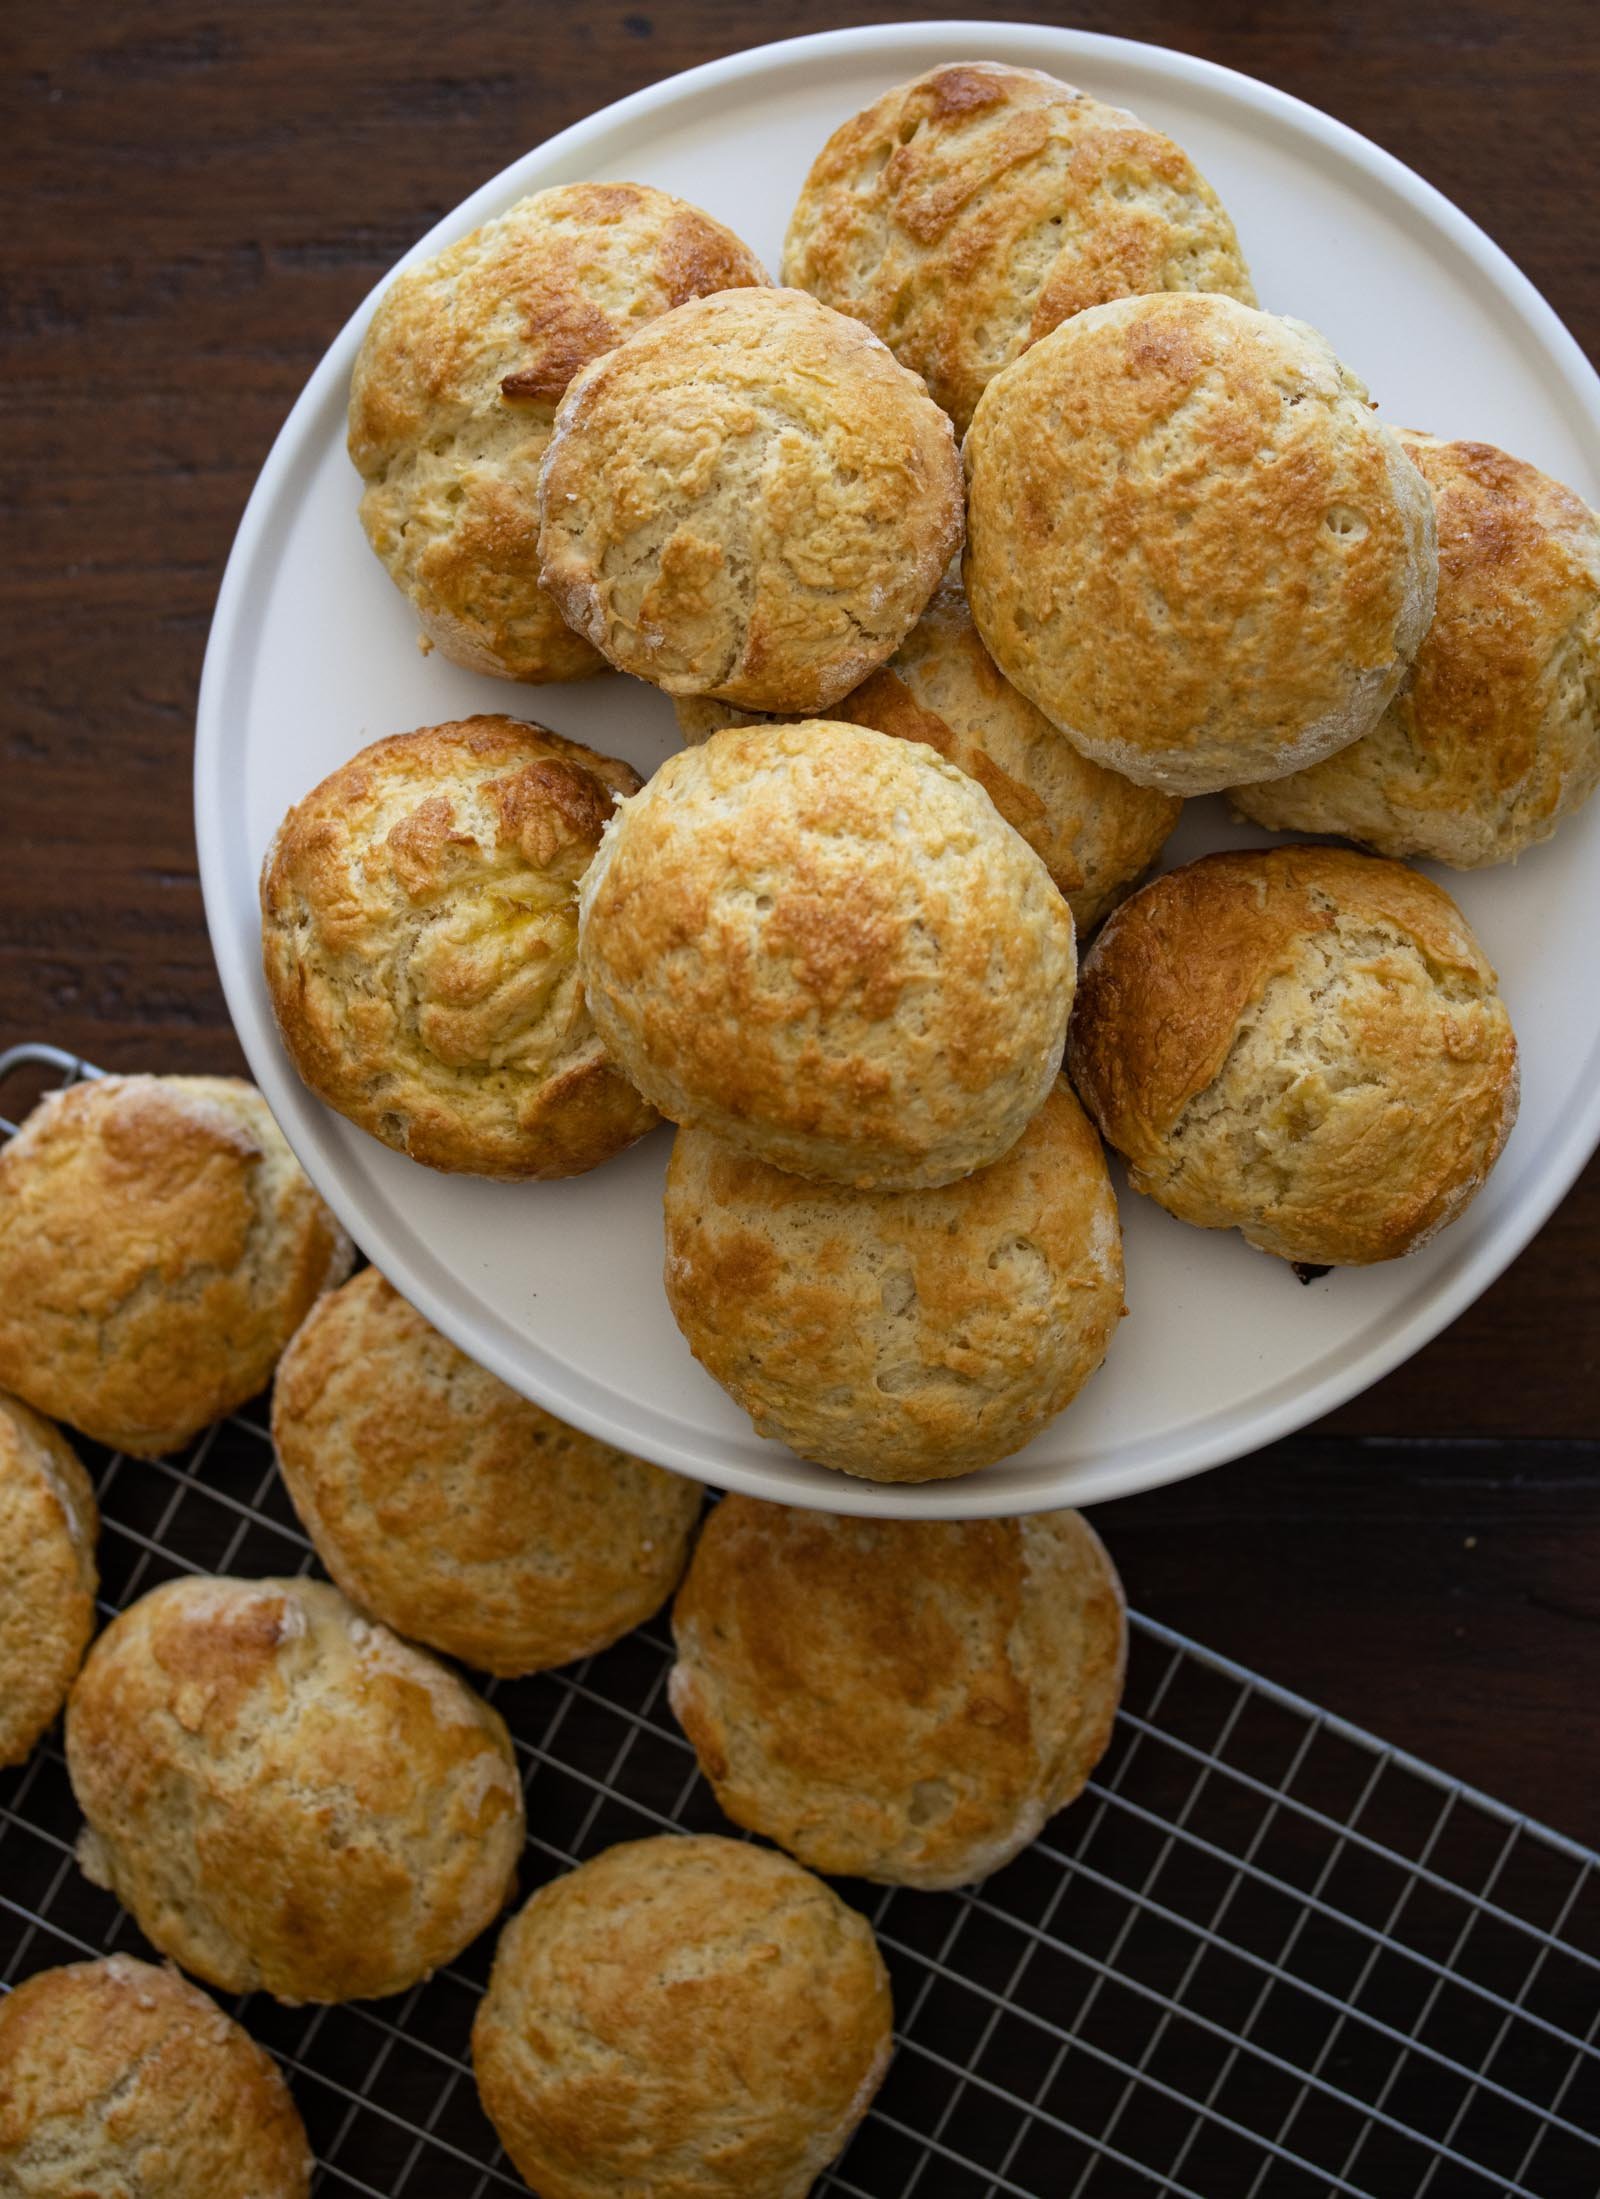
{"x": 1224, "y": 1436}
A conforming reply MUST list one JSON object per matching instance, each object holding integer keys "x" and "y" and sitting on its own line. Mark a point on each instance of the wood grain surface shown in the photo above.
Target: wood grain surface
{"x": 198, "y": 196}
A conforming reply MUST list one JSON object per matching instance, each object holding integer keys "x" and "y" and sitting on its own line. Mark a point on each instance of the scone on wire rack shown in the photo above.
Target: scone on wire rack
{"x": 902, "y": 1700}
{"x": 749, "y": 499}
{"x": 1191, "y": 542}
{"x": 900, "y": 1335}
{"x": 1303, "y": 1044}
{"x": 456, "y": 388}
{"x": 462, "y": 1515}
{"x": 288, "y": 1797}
{"x": 49, "y": 1525}
{"x": 1496, "y": 735}
{"x": 117, "y": 2077}
{"x": 159, "y": 1245}
{"x": 1094, "y": 831}
{"x": 418, "y": 936}
{"x": 687, "y": 2014}
{"x": 829, "y": 948}
{"x": 966, "y": 214}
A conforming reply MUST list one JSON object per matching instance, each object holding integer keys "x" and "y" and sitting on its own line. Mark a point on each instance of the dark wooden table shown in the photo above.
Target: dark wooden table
{"x": 199, "y": 195}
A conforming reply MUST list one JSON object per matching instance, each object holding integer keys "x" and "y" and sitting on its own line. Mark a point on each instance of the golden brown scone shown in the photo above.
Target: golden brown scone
{"x": 119, "y": 2080}
{"x": 749, "y": 499}
{"x": 288, "y": 1797}
{"x": 967, "y": 213}
{"x": 456, "y": 389}
{"x": 1496, "y": 736}
{"x": 1192, "y": 544}
{"x": 159, "y": 1245}
{"x": 904, "y": 1700}
{"x": 829, "y": 948}
{"x": 419, "y": 932}
{"x": 457, "y": 1512}
{"x": 1303, "y": 1044}
{"x": 690, "y": 2017}
{"x": 48, "y": 1527}
{"x": 1094, "y": 831}
{"x": 900, "y": 1335}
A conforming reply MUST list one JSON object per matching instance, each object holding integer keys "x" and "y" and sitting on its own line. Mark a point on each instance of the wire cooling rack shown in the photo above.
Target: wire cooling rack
{"x": 1264, "y": 1957}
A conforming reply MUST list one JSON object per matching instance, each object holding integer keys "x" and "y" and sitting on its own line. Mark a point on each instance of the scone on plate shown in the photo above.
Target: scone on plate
{"x": 48, "y": 1528}
{"x": 829, "y": 948}
{"x": 456, "y": 388}
{"x": 750, "y": 499}
{"x": 967, "y": 213}
{"x": 463, "y": 1515}
{"x": 904, "y": 1700}
{"x": 122, "y": 2079}
{"x": 687, "y": 2016}
{"x": 1496, "y": 735}
{"x": 288, "y": 1797}
{"x": 418, "y": 934}
{"x": 1192, "y": 544}
{"x": 1304, "y": 1044}
{"x": 159, "y": 1245}
{"x": 900, "y": 1335}
{"x": 1094, "y": 831}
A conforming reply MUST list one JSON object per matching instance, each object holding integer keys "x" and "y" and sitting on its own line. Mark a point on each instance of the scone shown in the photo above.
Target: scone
{"x": 288, "y": 1797}
{"x": 1305, "y": 1045}
{"x": 1496, "y": 736}
{"x": 904, "y": 1700}
{"x": 967, "y": 213}
{"x": 749, "y": 498}
{"x": 48, "y": 1528}
{"x": 159, "y": 1245}
{"x": 1094, "y": 831}
{"x": 1192, "y": 544}
{"x": 690, "y": 2017}
{"x": 829, "y": 948}
{"x": 119, "y": 2080}
{"x": 900, "y": 1335}
{"x": 418, "y": 933}
{"x": 457, "y": 1512}
{"x": 456, "y": 388}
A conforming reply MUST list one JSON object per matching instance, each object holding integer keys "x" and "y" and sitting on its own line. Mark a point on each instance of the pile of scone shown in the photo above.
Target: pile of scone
{"x": 835, "y": 938}
{"x": 292, "y": 1792}
{"x": 835, "y": 941}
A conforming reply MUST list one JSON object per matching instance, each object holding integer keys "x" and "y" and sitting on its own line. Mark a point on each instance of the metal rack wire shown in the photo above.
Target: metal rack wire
{"x": 1263, "y": 1957}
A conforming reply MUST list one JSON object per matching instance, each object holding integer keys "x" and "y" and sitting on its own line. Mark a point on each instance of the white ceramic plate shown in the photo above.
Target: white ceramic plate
{"x": 557, "y": 1286}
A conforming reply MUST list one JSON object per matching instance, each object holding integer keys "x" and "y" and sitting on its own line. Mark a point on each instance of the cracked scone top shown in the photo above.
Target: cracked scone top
{"x": 900, "y": 1335}
{"x": 1192, "y": 544}
{"x": 1302, "y": 1043}
{"x": 966, "y": 214}
{"x": 418, "y": 931}
{"x": 48, "y": 1526}
{"x": 159, "y": 1245}
{"x": 121, "y": 2079}
{"x": 749, "y": 498}
{"x": 1094, "y": 831}
{"x": 463, "y": 1515}
{"x": 902, "y": 1700}
{"x": 455, "y": 392}
{"x": 287, "y": 1796}
{"x": 1496, "y": 736}
{"x": 828, "y": 947}
{"x": 689, "y": 2017}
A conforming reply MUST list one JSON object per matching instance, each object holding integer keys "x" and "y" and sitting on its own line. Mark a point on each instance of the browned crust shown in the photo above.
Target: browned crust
{"x": 418, "y": 933}
{"x": 1178, "y": 972}
{"x": 117, "y": 2076}
{"x": 967, "y": 213}
{"x": 48, "y": 1527}
{"x": 689, "y": 2016}
{"x": 903, "y": 1700}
